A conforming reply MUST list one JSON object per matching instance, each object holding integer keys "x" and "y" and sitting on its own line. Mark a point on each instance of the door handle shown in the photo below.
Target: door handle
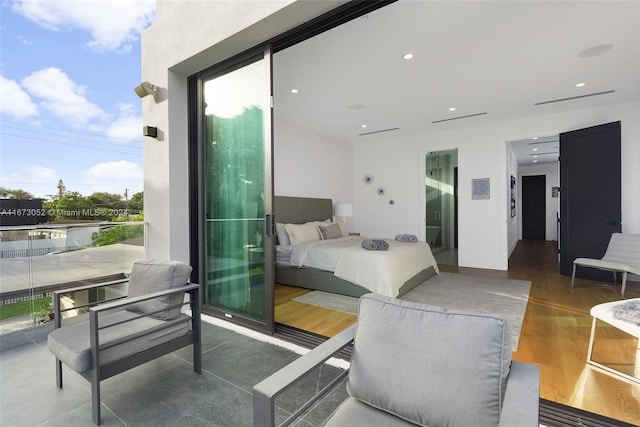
{"x": 268, "y": 225}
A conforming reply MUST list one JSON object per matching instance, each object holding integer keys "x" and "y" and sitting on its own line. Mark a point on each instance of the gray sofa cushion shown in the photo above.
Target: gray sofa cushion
{"x": 153, "y": 276}
{"x": 71, "y": 344}
{"x": 352, "y": 412}
{"x": 429, "y": 365}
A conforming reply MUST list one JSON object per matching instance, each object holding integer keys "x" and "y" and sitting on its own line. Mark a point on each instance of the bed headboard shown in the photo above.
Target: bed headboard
{"x": 298, "y": 210}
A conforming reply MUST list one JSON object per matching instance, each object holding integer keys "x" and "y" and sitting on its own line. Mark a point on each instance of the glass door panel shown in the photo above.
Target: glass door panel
{"x": 440, "y": 196}
{"x": 237, "y": 193}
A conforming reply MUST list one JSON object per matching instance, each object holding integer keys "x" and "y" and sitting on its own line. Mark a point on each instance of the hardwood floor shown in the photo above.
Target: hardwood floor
{"x": 555, "y": 332}
{"x": 308, "y": 317}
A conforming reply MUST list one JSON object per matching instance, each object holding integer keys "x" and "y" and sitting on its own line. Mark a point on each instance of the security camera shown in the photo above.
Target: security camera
{"x": 145, "y": 88}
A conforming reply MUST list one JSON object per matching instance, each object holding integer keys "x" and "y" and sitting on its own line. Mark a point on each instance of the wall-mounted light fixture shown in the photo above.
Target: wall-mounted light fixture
{"x": 145, "y": 88}
{"x": 150, "y": 131}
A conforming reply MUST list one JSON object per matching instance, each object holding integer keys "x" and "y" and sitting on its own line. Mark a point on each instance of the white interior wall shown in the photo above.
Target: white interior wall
{"x": 552, "y": 179}
{"x": 307, "y": 164}
{"x": 484, "y": 239}
{"x": 512, "y": 222}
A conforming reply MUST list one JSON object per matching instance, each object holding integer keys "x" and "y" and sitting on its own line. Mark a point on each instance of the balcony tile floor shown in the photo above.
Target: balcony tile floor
{"x": 164, "y": 392}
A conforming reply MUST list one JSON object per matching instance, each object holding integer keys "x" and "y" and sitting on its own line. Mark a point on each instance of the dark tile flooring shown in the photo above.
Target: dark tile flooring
{"x": 164, "y": 392}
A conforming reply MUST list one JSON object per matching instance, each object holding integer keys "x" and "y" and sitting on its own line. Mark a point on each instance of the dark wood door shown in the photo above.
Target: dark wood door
{"x": 534, "y": 207}
{"x": 590, "y": 191}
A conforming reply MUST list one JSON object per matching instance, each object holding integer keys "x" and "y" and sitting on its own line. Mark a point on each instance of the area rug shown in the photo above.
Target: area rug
{"x": 329, "y": 300}
{"x": 478, "y": 294}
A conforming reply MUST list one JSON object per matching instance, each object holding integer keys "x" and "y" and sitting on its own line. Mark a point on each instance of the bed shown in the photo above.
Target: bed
{"x": 414, "y": 262}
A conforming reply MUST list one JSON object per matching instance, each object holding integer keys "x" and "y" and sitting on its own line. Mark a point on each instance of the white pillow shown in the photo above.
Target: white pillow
{"x": 300, "y": 233}
{"x": 281, "y": 232}
{"x": 343, "y": 228}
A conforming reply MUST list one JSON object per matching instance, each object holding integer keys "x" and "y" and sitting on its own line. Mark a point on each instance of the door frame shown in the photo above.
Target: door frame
{"x": 423, "y": 197}
{"x": 197, "y": 224}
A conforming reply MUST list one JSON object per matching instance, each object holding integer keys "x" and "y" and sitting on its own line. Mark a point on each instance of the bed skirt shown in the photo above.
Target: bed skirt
{"x": 321, "y": 280}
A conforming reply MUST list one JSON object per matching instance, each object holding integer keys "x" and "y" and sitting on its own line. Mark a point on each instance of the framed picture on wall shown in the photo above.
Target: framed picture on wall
{"x": 513, "y": 196}
{"x": 480, "y": 188}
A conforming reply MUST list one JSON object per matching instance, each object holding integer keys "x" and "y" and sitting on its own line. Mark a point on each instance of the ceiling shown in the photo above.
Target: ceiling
{"x": 490, "y": 60}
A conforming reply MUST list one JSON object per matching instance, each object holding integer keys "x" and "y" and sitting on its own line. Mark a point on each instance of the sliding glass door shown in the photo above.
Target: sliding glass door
{"x": 236, "y": 181}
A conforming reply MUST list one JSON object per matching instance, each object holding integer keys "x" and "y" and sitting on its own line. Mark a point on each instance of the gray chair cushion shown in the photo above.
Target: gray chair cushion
{"x": 71, "y": 344}
{"x": 352, "y": 412}
{"x": 153, "y": 276}
{"x": 429, "y": 365}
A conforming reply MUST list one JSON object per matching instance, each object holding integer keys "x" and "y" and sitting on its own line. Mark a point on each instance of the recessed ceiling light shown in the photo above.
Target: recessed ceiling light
{"x": 535, "y": 161}
{"x": 407, "y": 55}
{"x": 452, "y": 109}
{"x": 580, "y": 84}
{"x": 534, "y": 138}
{"x": 294, "y": 90}
{"x": 364, "y": 126}
{"x": 535, "y": 156}
{"x": 535, "y": 149}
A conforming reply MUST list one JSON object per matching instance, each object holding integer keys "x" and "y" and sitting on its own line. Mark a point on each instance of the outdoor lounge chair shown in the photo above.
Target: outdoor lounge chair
{"x": 130, "y": 330}
{"x": 416, "y": 364}
{"x": 622, "y": 255}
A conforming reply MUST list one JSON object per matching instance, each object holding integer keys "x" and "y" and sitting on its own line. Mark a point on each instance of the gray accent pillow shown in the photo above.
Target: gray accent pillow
{"x": 332, "y": 231}
{"x": 429, "y": 365}
{"x": 153, "y": 276}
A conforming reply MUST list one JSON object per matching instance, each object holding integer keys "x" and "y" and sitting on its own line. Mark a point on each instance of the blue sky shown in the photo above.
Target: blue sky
{"x": 67, "y": 106}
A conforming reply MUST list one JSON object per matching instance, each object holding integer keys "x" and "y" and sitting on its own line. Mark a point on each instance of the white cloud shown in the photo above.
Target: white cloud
{"x": 113, "y": 24}
{"x": 128, "y": 126}
{"x": 62, "y": 97}
{"x": 14, "y": 101}
{"x": 37, "y": 180}
{"x": 114, "y": 177}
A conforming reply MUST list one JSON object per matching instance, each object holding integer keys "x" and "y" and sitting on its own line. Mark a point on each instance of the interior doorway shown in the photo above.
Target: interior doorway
{"x": 441, "y": 199}
{"x": 534, "y": 208}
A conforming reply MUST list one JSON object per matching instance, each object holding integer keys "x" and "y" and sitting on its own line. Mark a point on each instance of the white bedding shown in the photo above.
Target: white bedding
{"x": 383, "y": 272}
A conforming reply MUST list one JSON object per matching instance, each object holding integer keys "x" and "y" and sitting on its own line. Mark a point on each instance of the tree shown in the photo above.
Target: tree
{"x": 62, "y": 189}
{"x": 72, "y": 205}
{"x": 107, "y": 200}
{"x": 117, "y": 234}
{"x": 7, "y": 193}
{"x": 136, "y": 203}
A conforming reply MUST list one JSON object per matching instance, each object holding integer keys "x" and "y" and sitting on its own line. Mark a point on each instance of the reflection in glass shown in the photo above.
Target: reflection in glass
{"x": 234, "y": 191}
{"x": 440, "y": 198}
